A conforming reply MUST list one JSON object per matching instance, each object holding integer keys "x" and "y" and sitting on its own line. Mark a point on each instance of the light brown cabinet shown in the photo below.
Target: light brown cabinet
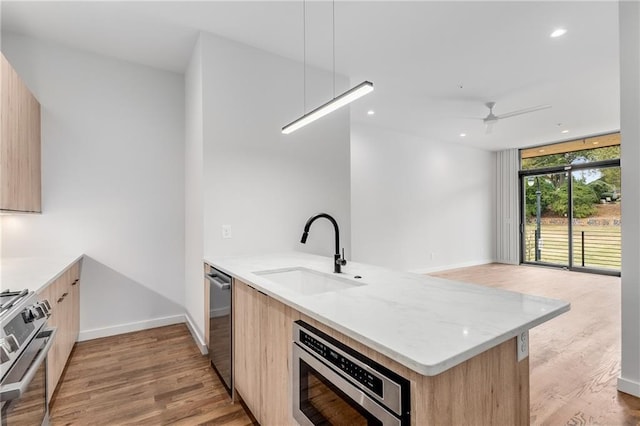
{"x": 20, "y": 134}
{"x": 247, "y": 310}
{"x": 262, "y": 348}
{"x": 64, "y": 296}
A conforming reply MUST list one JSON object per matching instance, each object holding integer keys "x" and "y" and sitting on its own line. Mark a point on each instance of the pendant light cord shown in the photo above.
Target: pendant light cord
{"x": 304, "y": 55}
{"x": 334, "y": 47}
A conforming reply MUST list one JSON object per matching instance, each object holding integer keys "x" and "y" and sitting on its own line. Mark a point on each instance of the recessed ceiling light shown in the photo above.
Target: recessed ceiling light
{"x": 541, "y": 150}
{"x": 371, "y": 112}
{"x": 462, "y": 135}
{"x": 596, "y": 142}
{"x": 564, "y": 131}
{"x": 558, "y": 32}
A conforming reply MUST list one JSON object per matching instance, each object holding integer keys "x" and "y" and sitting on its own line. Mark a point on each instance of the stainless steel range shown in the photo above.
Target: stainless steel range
{"x": 24, "y": 344}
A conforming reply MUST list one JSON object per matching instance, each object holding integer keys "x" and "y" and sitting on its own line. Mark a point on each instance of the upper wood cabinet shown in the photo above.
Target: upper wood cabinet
{"x": 20, "y": 182}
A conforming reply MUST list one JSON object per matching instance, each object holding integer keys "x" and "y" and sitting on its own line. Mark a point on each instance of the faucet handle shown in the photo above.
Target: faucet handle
{"x": 341, "y": 260}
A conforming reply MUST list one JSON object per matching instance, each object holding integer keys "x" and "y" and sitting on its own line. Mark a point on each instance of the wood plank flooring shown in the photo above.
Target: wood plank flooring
{"x": 152, "y": 377}
{"x": 574, "y": 358}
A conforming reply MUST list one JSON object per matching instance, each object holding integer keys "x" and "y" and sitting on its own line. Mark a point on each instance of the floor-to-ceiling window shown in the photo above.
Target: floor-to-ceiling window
{"x": 571, "y": 197}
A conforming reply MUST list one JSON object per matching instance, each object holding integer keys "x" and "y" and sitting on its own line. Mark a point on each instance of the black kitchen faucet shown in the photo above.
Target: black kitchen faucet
{"x": 339, "y": 261}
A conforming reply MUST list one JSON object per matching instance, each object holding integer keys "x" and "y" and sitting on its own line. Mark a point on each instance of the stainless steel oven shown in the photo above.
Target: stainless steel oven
{"x": 335, "y": 385}
{"x": 24, "y": 344}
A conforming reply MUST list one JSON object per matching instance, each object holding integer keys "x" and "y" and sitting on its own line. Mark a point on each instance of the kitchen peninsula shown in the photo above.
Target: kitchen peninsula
{"x": 463, "y": 347}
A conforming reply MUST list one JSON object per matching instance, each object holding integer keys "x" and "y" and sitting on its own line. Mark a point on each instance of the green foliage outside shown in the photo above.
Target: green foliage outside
{"x": 547, "y": 189}
{"x": 584, "y": 200}
{"x": 553, "y": 187}
{"x": 601, "y": 187}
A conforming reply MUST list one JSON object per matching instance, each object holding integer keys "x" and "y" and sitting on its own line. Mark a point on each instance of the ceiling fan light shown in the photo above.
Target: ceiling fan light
{"x": 338, "y": 102}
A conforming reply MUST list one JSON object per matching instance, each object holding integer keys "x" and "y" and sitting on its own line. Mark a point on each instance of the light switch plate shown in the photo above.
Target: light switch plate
{"x": 523, "y": 345}
{"x": 226, "y": 231}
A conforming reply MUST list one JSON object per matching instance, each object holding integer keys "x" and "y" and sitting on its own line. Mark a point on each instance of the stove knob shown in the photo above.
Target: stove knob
{"x": 27, "y": 315}
{"x": 12, "y": 342}
{"x": 46, "y": 309}
{"x": 38, "y": 312}
{"x": 46, "y": 304}
{"x": 5, "y": 350}
{"x": 4, "y": 356}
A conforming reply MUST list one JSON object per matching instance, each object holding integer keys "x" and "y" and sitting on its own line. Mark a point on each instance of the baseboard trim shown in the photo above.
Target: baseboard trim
{"x": 629, "y": 386}
{"x": 129, "y": 327}
{"x": 452, "y": 266}
{"x": 196, "y": 336}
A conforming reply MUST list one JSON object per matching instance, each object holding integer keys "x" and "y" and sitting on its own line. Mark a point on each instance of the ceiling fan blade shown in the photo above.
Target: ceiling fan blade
{"x": 523, "y": 111}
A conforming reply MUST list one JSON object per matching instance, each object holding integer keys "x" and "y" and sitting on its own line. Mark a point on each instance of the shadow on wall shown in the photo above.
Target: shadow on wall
{"x": 112, "y": 303}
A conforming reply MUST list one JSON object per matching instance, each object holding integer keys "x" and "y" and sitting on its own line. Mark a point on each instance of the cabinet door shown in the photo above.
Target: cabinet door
{"x": 276, "y": 332}
{"x": 56, "y": 357}
{"x": 247, "y": 309}
{"x": 63, "y": 297}
{"x": 20, "y": 184}
{"x": 74, "y": 304}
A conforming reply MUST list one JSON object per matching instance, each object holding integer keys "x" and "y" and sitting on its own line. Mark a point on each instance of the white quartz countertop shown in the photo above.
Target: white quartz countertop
{"x": 427, "y": 324}
{"x": 33, "y": 273}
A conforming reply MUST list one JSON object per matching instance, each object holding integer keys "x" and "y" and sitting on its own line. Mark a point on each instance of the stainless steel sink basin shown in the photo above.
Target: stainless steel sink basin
{"x": 307, "y": 281}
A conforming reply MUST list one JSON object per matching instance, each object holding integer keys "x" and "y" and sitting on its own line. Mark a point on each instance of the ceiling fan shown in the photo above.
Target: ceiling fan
{"x": 492, "y": 119}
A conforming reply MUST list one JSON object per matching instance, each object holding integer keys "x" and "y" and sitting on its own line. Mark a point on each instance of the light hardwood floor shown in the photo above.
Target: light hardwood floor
{"x": 159, "y": 377}
{"x": 152, "y": 377}
{"x": 574, "y": 358}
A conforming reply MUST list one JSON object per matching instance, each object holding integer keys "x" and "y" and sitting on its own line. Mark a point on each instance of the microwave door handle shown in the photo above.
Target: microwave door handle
{"x": 217, "y": 282}
{"x": 15, "y": 390}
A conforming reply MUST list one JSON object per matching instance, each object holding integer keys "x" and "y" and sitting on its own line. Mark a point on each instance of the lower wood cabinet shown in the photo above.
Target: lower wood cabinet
{"x": 247, "y": 312}
{"x": 64, "y": 296}
{"x": 262, "y": 354}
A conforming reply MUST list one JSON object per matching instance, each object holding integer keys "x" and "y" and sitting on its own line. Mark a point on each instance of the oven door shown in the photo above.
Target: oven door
{"x": 23, "y": 391}
{"x": 321, "y": 396}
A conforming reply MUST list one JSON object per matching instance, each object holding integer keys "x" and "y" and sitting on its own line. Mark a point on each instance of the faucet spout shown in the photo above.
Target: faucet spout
{"x": 338, "y": 260}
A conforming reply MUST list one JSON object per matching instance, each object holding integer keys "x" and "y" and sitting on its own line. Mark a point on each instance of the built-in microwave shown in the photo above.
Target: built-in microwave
{"x": 334, "y": 384}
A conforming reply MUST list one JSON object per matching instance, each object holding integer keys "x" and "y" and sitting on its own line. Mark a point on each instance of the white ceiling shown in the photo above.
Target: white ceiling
{"x": 418, "y": 54}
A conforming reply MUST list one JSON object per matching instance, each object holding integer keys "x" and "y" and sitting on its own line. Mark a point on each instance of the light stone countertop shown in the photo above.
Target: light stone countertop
{"x": 33, "y": 273}
{"x": 425, "y": 323}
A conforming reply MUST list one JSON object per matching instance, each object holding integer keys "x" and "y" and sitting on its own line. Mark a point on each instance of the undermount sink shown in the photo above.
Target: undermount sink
{"x": 307, "y": 281}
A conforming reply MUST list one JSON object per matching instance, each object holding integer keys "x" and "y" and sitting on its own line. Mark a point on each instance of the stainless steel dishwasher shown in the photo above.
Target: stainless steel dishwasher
{"x": 220, "y": 325}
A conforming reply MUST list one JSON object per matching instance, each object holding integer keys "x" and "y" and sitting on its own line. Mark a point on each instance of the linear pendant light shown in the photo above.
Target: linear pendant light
{"x": 338, "y": 101}
{"x": 344, "y": 99}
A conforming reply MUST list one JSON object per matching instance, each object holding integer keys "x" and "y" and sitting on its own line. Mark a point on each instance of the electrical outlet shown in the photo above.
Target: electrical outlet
{"x": 226, "y": 231}
{"x": 523, "y": 345}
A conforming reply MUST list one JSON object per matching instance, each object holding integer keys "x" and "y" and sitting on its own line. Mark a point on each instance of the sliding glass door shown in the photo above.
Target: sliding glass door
{"x": 571, "y": 218}
{"x": 597, "y": 202}
{"x": 546, "y": 222}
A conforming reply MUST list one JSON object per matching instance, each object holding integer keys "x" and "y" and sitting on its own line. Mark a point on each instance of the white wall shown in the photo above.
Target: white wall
{"x": 419, "y": 205}
{"x": 629, "y": 380}
{"x": 261, "y": 182}
{"x": 113, "y": 182}
{"x": 194, "y": 223}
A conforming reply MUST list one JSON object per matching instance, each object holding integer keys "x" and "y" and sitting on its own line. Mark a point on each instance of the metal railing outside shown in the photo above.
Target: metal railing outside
{"x": 592, "y": 247}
